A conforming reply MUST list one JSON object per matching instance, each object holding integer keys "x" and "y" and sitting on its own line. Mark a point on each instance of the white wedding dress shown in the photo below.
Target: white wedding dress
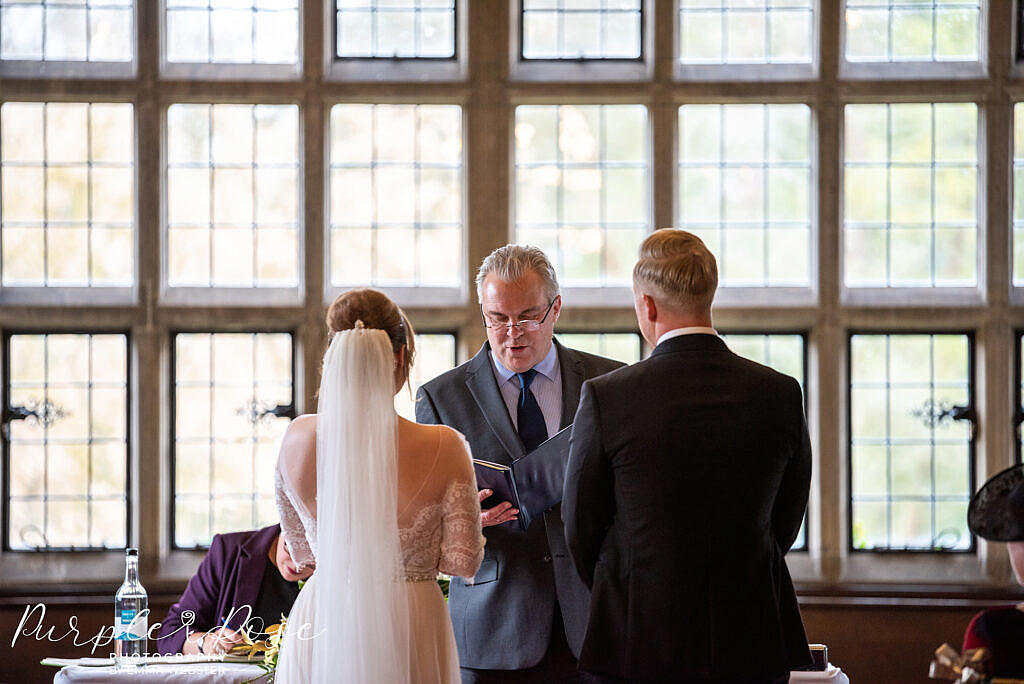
{"x": 359, "y": 619}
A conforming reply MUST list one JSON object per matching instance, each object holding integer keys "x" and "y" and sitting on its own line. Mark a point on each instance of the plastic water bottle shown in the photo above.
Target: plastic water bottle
{"x": 131, "y": 615}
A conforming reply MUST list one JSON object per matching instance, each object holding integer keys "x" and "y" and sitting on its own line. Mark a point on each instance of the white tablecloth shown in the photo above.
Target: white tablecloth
{"x": 186, "y": 673}
{"x": 234, "y": 673}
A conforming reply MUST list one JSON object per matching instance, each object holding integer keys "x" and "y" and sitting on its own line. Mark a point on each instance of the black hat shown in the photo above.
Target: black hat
{"x": 996, "y": 512}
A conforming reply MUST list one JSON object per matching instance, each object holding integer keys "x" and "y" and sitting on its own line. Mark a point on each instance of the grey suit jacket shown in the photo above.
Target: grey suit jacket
{"x": 503, "y": 619}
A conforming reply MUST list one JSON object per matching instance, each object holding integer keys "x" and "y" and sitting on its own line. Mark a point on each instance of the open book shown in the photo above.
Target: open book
{"x": 533, "y": 483}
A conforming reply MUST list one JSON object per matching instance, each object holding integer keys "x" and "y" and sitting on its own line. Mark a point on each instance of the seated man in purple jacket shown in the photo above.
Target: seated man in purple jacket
{"x": 246, "y": 577}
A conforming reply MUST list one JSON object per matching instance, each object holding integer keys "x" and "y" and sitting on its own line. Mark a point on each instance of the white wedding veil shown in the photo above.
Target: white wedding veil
{"x": 362, "y": 612}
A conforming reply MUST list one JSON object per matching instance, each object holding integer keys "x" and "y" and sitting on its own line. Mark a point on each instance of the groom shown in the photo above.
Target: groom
{"x": 523, "y": 617}
{"x": 687, "y": 481}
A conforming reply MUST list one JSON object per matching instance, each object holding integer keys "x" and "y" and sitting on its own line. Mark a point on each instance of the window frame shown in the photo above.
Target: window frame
{"x": 911, "y": 296}
{"x": 228, "y": 71}
{"x": 767, "y": 295}
{"x": 765, "y": 72}
{"x": 592, "y": 69}
{"x": 1018, "y": 394}
{"x": 69, "y": 553}
{"x": 79, "y": 69}
{"x": 95, "y": 295}
{"x": 173, "y": 404}
{"x": 253, "y": 296}
{"x": 437, "y": 297}
{"x": 396, "y": 69}
{"x": 918, "y": 69}
{"x": 828, "y": 570}
{"x": 972, "y": 462}
{"x": 804, "y": 335}
{"x": 587, "y": 296}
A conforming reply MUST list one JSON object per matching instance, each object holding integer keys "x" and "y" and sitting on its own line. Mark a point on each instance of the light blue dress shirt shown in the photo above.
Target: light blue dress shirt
{"x": 546, "y": 388}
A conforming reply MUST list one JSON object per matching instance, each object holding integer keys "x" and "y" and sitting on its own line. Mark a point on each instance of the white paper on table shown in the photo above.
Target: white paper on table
{"x": 832, "y": 675}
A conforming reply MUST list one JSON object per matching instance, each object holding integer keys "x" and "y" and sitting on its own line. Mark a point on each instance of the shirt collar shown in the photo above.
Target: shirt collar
{"x": 546, "y": 367}
{"x": 693, "y": 330}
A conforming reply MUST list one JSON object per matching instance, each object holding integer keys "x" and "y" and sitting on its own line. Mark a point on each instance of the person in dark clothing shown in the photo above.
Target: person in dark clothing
{"x": 246, "y": 579}
{"x": 996, "y": 513}
{"x": 687, "y": 481}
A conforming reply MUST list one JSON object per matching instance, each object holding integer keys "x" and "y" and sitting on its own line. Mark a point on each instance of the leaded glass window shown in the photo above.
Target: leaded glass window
{"x": 233, "y": 399}
{"x": 67, "y": 194}
{"x": 911, "y": 442}
{"x": 916, "y": 30}
{"x": 67, "y": 30}
{"x": 582, "y": 29}
{"x": 1018, "y": 195}
{"x": 435, "y": 354}
{"x": 910, "y": 201}
{"x": 395, "y": 29}
{"x": 582, "y": 188}
{"x": 624, "y": 347}
{"x": 745, "y": 31}
{"x": 396, "y": 176}
{"x": 745, "y": 188}
{"x": 232, "y": 31}
{"x": 785, "y": 353}
{"x": 232, "y": 195}
{"x": 67, "y": 452}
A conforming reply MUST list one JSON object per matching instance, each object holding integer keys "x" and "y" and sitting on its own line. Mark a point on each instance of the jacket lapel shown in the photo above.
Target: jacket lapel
{"x": 572, "y": 383}
{"x": 252, "y": 564}
{"x": 484, "y": 388}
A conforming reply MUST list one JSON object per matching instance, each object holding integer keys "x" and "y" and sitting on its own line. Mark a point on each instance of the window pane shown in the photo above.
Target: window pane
{"x": 396, "y": 195}
{"x": 233, "y": 31}
{"x": 944, "y": 31}
{"x": 745, "y": 188}
{"x": 784, "y": 353}
{"x": 748, "y": 32}
{"x": 67, "y": 194}
{"x": 624, "y": 347}
{"x": 400, "y": 29}
{"x": 225, "y": 440}
{"x": 582, "y": 188}
{"x": 586, "y": 29}
{"x": 435, "y": 354}
{"x": 1018, "y": 195}
{"x": 911, "y": 463}
{"x": 910, "y": 198}
{"x": 232, "y": 195}
{"x": 68, "y": 459}
{"x": 59, "y": 30}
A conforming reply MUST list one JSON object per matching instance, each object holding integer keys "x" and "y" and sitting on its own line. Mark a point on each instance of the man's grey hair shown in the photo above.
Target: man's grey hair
{"x": 512, "y": 261}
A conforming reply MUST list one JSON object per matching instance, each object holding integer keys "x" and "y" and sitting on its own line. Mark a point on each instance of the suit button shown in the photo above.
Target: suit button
{"x": 547, "y": 559}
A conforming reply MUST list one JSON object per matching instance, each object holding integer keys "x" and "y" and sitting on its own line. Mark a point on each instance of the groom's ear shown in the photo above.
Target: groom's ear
{"x": 650, "y": 308}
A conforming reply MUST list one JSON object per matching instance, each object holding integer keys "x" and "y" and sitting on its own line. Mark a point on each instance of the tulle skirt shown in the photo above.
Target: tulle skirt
{"x": 434, "y": 658}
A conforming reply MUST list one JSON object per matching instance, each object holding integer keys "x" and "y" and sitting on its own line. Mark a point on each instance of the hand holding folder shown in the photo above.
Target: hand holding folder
{"x": 532, "y": 483}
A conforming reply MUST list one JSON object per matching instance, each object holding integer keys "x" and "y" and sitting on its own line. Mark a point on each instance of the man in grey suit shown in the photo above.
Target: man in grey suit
{"x": 523, "y": 617}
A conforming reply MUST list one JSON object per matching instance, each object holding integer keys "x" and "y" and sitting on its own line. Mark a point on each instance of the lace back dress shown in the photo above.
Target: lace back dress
{"x": 439, "y": 531}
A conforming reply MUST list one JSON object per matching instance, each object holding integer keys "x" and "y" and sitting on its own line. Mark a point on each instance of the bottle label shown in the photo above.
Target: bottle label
{"x": 128, "y": 625}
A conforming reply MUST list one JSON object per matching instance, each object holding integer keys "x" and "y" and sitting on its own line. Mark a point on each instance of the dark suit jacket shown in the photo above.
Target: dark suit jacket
{"x": 230, "y": 576}
{"x": 687, "y": 482}
{"x": 503, "y": 620}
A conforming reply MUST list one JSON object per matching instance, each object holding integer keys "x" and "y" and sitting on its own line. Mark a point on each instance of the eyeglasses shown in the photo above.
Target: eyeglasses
{"x": 526, "y": 325}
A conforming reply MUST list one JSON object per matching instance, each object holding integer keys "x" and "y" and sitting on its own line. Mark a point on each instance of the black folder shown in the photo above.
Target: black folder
{"x": 533, "y": 483}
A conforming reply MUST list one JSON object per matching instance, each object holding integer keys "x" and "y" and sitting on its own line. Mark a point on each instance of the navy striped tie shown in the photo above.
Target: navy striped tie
{"x": 532, "y": 429}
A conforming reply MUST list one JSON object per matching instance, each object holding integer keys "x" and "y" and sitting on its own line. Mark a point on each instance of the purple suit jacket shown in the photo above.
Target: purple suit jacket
{"x": 230, "y": 576}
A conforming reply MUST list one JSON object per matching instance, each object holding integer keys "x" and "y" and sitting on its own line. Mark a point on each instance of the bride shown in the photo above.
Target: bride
{"x": 379, "y": 505}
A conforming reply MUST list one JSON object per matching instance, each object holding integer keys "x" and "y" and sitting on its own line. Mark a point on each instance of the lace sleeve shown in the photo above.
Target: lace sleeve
{"x": 462, "y": 542}
{"x": 292, "y": 529}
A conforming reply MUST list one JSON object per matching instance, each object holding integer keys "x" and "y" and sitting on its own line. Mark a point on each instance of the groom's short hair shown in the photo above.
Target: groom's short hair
{"x": 679, "y": 267}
